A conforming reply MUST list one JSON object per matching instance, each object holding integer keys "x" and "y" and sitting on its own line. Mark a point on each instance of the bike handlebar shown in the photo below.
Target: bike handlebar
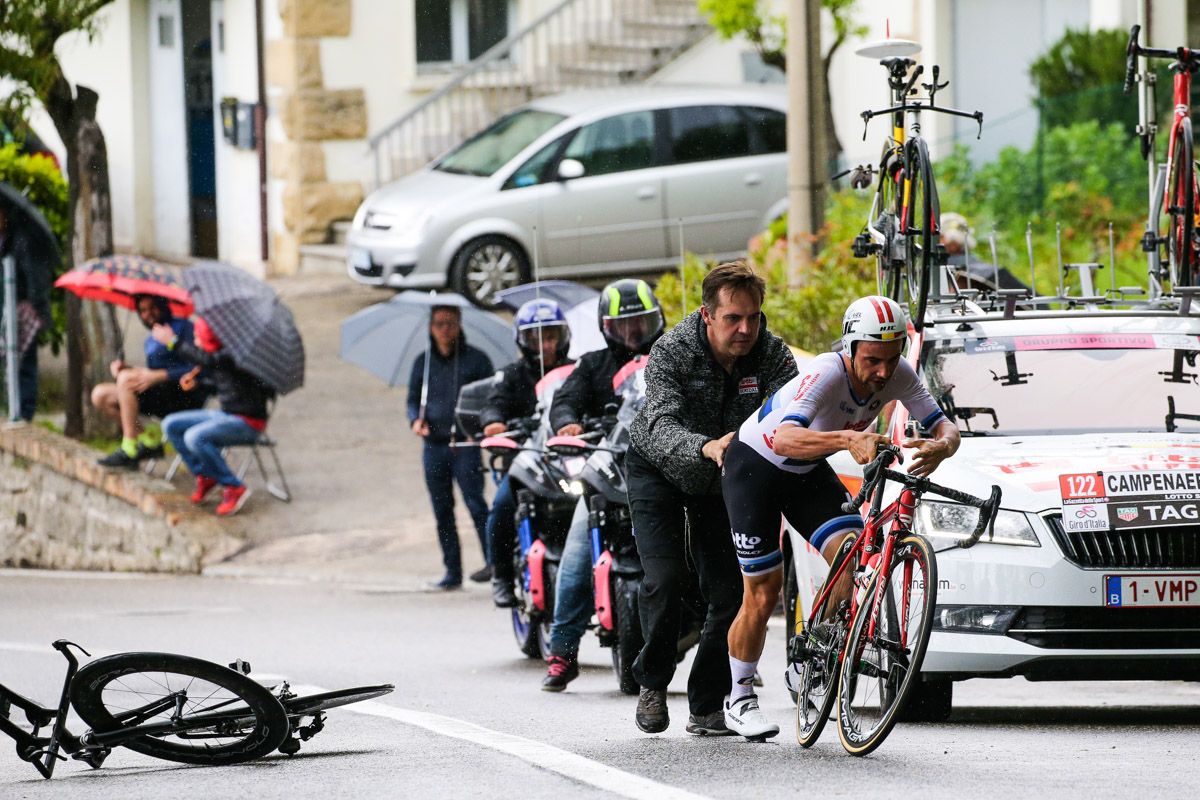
{"x": 1131, "y": 54}
{"x": 875, "y": 473}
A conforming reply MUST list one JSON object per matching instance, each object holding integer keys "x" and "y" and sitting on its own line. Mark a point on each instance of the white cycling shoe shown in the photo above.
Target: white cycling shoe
{"x": 744, "y": 718}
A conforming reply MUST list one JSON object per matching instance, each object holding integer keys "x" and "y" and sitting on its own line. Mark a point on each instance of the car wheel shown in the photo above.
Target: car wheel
{"x": 486, "y": 265}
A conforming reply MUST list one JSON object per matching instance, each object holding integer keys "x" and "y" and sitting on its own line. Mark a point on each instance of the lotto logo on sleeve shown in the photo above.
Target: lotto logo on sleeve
{"x": 748, "y": 385}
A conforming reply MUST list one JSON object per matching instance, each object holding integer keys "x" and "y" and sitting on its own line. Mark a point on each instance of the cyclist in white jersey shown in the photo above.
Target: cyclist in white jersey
{"x": 776, "y": 466}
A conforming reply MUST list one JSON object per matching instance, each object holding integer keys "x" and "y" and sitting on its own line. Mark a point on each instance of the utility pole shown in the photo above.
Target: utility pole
{"x": 805, "y": 137}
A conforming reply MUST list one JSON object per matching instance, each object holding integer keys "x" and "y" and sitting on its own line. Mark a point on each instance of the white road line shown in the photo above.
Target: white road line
{"x": 539, "y": 754}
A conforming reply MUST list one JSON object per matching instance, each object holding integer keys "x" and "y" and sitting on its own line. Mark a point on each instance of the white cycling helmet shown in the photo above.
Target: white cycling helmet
{"x": 872, "y": 319}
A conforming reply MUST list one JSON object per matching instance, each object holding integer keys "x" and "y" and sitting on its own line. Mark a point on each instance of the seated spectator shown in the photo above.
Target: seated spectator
{"x": 200, "y": 435}
{"x": 152, "y": 391}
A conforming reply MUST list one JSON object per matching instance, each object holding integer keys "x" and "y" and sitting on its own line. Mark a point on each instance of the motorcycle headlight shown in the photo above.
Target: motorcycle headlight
{"x": 944, "y": 524}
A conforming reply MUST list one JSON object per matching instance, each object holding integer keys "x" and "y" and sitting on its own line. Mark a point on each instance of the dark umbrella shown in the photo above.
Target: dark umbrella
{"x": 42, "y": 260}
{"x": 385, "y": 339}
{"x": 120, "y": 279}
{"x": 251, "y": 322}
{"x": 578, "y": 304}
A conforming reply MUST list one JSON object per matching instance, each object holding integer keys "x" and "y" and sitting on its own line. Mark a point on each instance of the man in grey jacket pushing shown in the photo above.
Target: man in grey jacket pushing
{"x": 704, "y": 378}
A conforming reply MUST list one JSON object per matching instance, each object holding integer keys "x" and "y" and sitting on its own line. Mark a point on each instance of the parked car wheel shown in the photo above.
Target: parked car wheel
{"x": 486, "y": 265}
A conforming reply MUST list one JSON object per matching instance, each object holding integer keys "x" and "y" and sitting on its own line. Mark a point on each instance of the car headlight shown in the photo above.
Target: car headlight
{"x": 974, "y": 619}
{"x": 944, "y": 524}
{"x": 383, "y": 221}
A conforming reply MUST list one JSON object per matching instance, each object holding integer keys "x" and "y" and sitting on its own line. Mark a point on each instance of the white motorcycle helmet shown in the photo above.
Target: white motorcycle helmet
{"x": 872, "y": 319}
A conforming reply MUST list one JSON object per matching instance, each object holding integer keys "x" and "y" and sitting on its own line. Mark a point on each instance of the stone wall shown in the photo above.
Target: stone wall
{"x": 59, "y": 510}
{"x": 310, "y": 114}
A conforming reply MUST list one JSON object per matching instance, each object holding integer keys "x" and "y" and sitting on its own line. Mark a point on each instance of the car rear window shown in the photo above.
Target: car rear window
{"x": 770, "y": 128}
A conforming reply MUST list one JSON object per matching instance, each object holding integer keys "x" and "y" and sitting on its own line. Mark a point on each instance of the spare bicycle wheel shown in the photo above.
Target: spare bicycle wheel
{"x": 206, "y": 713}
{"x": 922, "y": 215}
{"x": 1181, "y": 205}
{"x": 880, "y": 669}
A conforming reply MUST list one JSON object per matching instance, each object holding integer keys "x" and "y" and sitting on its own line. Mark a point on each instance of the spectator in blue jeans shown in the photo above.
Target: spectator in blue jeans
{"x": 202, "y": 434}
{"x": 452, "y": 364}
{"x": 544, "y": 338}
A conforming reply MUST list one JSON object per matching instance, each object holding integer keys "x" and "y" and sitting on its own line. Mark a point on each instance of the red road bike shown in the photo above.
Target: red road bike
{"x": 867, "y": 651}
{"x": 1179, "y": 194}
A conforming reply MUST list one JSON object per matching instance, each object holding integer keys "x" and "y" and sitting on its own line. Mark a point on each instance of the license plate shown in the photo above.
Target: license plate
{"x": 360, "y": 259}
{"x": 1145, "y": 591}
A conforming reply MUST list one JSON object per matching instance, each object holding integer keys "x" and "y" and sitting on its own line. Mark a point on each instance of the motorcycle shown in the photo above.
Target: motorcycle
{"x": 547, "y": 489}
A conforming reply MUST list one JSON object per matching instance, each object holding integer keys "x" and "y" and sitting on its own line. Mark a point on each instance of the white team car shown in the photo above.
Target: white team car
{"x": 1087, "y": 420}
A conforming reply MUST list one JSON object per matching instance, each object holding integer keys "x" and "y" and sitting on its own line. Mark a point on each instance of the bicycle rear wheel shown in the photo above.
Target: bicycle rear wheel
{"x": 1181, "y": 183}
{"x": 312, "y": 703}
{"x": 890, "y": 275}
{"x": 819, "y": 670}
{"x": 879, "y": 671}
{"x": 211, "y": 714}
{"x": 922, "y": 214}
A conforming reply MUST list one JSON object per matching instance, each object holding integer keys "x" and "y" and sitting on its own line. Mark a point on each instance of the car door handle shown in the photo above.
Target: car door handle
{"x": 647, "y": 193}
{"x": 753, "y": 179}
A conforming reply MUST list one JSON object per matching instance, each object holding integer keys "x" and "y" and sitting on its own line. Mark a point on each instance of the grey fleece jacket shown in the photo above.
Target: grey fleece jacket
{"x": 690, "y": 399}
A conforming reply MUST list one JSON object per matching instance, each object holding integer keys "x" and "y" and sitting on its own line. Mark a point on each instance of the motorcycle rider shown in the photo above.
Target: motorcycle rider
{"x": 543, "y": 337}
{"x": 631, "y": 320}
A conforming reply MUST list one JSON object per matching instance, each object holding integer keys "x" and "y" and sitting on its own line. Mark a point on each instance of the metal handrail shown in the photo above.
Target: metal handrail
{"x": 548, "y": 55}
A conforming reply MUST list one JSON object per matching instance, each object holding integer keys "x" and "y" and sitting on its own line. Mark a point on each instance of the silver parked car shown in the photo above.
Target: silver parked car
{"x": 592, "y": 183}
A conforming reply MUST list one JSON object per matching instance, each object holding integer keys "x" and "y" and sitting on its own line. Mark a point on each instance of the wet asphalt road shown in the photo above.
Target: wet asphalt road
{"x": 468, "y": 718}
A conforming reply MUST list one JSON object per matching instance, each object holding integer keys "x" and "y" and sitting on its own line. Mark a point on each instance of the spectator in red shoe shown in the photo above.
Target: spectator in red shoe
{"x": 201, "y": 435}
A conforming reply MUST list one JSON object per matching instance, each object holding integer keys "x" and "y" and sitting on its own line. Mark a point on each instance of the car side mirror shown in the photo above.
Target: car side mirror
{"x": 569, "y": 169}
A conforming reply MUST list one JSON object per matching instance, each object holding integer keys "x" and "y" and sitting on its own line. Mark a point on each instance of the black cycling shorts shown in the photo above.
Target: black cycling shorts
{"x": 166, "y": 398}
{"x": 758, "y": 494}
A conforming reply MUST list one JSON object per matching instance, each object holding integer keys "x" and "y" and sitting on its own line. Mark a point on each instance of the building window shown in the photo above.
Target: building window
{"x": 453, "y": 32}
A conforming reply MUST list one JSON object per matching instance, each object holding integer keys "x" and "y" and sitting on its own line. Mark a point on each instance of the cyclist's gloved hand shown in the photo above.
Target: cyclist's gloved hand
{"x": 930, "y": 453}
{"x": 863, "y": 446}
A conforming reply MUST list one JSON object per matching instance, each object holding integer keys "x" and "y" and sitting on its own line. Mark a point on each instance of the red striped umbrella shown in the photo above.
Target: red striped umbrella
{"x": 120, "y": 279}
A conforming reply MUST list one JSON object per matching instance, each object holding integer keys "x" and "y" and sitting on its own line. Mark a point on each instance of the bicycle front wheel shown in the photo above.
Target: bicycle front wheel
{"x": 823, "y": 638}
{"x": 1181, "y": 205}
{"x": 195, "y": 711}
{"x": 881, "y": 666}
{"x": 922, "y": 214}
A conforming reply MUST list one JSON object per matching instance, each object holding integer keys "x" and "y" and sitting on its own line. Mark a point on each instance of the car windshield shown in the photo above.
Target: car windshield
{"x": 490, "y": 150}
{"x": 1067, "y": 384}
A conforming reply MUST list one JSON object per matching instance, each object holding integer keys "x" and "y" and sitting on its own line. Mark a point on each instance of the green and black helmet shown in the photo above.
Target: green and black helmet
{"x": 630, "y": 315}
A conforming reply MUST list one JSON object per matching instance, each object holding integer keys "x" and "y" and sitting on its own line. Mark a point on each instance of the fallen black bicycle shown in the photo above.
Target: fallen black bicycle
{"x": 168, "y": 706}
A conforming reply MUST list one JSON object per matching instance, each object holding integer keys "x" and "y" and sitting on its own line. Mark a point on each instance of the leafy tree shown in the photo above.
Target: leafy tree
{"x": 768, "y": 33}
{"x": 32, "y": 30}
{"x": 1081, "y": 77}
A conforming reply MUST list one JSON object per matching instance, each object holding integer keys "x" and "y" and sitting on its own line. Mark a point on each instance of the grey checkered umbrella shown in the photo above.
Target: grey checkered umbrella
{"x": 251, "y": 322}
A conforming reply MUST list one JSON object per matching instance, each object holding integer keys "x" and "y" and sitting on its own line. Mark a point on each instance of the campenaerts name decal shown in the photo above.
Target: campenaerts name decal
{"x": 1101, "y": 501}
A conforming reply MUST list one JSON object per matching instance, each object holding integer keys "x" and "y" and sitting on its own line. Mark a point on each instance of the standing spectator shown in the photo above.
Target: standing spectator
{"x": 543, "y": 337}
{"x": 631, "y": 320}
{"x": 703, "y": 379}
{"x": 153, "y": 390}
{"x": 33, "y": 303}
{"x": 452, "y": 364}
{"x": 201, "y": 434}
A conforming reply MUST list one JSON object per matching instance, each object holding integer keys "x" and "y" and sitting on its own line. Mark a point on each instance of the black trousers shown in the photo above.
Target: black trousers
{"x": 659, "y": 508}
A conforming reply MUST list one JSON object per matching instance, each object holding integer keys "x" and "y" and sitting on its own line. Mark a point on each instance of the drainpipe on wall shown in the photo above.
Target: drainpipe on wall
{"x": 260, "y": 131}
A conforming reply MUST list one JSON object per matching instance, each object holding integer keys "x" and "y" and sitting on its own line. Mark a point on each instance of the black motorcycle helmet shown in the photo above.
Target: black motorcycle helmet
{"x": 630, "y": 315}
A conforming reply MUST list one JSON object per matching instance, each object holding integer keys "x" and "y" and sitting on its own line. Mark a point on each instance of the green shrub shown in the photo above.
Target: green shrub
{"x": 808, "y": 316}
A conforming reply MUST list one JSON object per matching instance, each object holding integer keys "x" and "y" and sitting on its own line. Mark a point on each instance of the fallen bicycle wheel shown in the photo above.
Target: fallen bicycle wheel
{"x": 194, "y": 711}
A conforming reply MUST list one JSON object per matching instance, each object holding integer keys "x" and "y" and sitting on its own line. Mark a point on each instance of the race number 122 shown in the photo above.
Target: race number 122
{"x": 1088, "y": 485}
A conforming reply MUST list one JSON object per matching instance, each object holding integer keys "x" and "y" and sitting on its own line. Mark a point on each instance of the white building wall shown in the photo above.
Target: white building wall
{"x": 114, "y": 66}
